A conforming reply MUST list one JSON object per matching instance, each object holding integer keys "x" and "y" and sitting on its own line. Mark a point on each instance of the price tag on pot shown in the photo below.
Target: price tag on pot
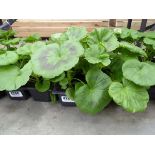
{"x": 66, "y": 99}
{"x": 15, "y": 94}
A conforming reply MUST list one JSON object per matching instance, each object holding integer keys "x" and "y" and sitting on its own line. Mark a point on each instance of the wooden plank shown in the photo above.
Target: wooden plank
{"x": 46, "y": 28}
{"x": 59, "y": 23}
{"x": 43, "y": 32}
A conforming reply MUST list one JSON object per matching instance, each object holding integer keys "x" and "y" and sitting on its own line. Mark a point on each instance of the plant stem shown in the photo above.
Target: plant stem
{"x": 79, "y": 80}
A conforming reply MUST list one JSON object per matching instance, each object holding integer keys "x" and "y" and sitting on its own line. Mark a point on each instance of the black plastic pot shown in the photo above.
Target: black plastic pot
{"x": 40, "y": 96}
{"x": 19, "y": 94}
{"x": 63, "y": 99}
{"x": 2, "y": 94}
{"x": 152, "y": 93}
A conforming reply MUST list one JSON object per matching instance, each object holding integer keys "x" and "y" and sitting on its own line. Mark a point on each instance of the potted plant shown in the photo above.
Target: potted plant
{"x": 38, "y": 87}
{"x": 8, "y": 71}
{"x": 15, "y": 65}
{"x": 121, "y": 70}
{"x": 92, "y": 69}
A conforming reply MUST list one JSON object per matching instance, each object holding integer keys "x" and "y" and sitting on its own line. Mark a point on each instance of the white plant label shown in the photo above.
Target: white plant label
{"x": 15, "y": 94}
{"x": 66, "y": 99}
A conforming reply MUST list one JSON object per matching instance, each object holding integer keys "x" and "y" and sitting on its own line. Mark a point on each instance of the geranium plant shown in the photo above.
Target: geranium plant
{"x": 93, "y": 68}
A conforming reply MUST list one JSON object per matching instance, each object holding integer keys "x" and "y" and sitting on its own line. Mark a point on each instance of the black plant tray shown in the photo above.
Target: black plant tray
{"x": 2, "y": 94}
{"x": 39, "y": 96}
{"x": 63, "y": 99}
{"x": 19, "y": 94}
{"x": 152, "y": 93}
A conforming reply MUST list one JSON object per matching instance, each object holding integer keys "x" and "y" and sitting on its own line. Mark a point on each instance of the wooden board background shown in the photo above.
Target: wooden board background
{"x": 46, "y": 27}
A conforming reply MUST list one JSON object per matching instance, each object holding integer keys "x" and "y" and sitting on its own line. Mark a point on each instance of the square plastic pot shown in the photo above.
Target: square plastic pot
{"x": 63, "y": 99}
{"x": 19, "y": 94}
{"x": 2, "y": 94}
{"x": 152, "y": 93}
{"x": 39, "y": 96}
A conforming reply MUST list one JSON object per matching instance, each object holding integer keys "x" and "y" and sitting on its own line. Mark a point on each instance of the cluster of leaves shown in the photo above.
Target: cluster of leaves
{"x": 92, "y": 67}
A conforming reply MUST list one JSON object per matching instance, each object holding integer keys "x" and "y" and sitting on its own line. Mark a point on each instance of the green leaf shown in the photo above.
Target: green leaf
{"x": 7, "y": 34}
{"x": 127, "y": 33}
{"x": 93, "y": 96}
{"x": 83, "y": 65}
{"x": 42, "y": 85}
{"x": 78, "y": 85}
{"x": 58, "y": 78}
{"x": 149, "y": 34}
{"x": 132, "y": 48}
{"x": 126, "y": 55}
{"x": 63, "y": 83}
{"x": 12, "y": 77}
{"x": 96, "y": 54}
{"x": 104, "y": 37}
{"x": 131, "y": 97}
{"x": 149, "y": 41}
{"x": 76, "y": 33}
{"x": 28, "y": 49}
{"x": 141, "y": 73}
{"x": 58, "y": 38}
{"x": 70, "y": 92}
{"x": 52, "y": 60}
{"x": 32, "y": 38}
{"x": 13, "y": 41}
{"x": 7, "y": 58}
{"x": 71, "y": 74}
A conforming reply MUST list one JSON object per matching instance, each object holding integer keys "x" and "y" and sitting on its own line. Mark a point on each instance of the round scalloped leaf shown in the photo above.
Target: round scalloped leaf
{"x": 96, "y": 54}
{"x": 52, "y": 60}
{"x": 13, "y": 41}
{"x": 76, "y": 33}
{"x": 28, "y": 49}
{"x": 149, "y": 41}
{"x": 7, "y": 58}
{"x": 6, "y": 34}
{"x": 43, "y": 85}
{"x": 131, "y": 97}
{"x": 127, "y": 33}
{"x": 12, "y": 78}
{"x": 132, "y": 48}
{"x": 149, "y": 34}
{"x": 103, "y": 36}
{"x": 32, "y": 38}
{"x": 59, "y": 37}
{"x": 141, "y": 73}
{"x": 93, "y": 96}
{"x": 56, "y": 36}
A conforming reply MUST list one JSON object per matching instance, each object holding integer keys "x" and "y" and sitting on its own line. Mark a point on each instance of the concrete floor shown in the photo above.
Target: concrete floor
{"x": 30, "y": 117}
